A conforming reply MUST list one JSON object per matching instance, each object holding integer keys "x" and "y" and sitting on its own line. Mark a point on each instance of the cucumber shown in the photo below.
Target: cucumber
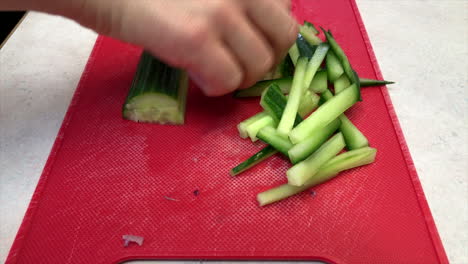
{"x": 305, "y": 48}
{"x": 253, "y": 128}
{"x": 290, "y": 111}
{"x": 270, "y": 136}
{"x": 274, "y": 102}
{"x": 304, "y": 149}
{"x": 309, "y": 28}
{"x": 314, "y": 63}
{"x": 255, "y": 159}
{"x": 370, "y": 82}
{"x": 284, "y": 69}
{"x": 332, "y": 168}
{"x": 309, "y": 33}
{"x": 348, "y": 70}
{"x": 300, "y": 173}
{"x": 158, "y": 93}
{"x": 242, "y": 126}
{"x": 309, "y": 102}
{"x": 341, "y": 83}
{"x": 294, "y": 53}
{"x": 325, "y": 114}
{"x": 320, "y": 83}
{"x": 354, "y": 138}
{"x": 257, "y": 89}
{"x": 334, "y": 68}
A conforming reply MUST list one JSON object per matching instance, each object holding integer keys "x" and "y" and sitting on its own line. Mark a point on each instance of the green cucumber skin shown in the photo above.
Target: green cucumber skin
{"x": 348, "y": 70}
{"x": 354, "y": 138}
{"x": 304, "y": 149}
{"x": 370, "y": 82}
{"x": 154, "y": 76}
{"x": 255, "y": 159}
{"x": 305, "y": 49}
{"x": 332, "y": 168}
{"x": 300, "y": 173}
{"x": 320, "y": 83}
{"x": 271, "y": 137}
{"x": 325, "y": 114}
{"x": 258, "y": 88}
{"x": 334, "y": 68}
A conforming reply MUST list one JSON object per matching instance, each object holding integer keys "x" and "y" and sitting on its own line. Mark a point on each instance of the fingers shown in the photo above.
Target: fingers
{"x": 273, "y": 19}
{"x": 252, "y": 51}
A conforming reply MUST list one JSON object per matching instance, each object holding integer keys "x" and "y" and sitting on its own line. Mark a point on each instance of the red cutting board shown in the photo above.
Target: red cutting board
{"x": 107, "y": 177}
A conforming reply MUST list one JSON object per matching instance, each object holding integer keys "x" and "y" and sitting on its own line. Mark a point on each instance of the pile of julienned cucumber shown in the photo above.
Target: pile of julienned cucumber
{"x": 308, "y": 125}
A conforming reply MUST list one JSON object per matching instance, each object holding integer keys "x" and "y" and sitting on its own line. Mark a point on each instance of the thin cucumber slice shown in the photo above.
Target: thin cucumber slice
{"x": 341, "y": 83}
{"x": 325, "y": 114}
{"x": 158, "y": 93}
{"x": 300, "y": 173}
{"x": 334, "y": 68}
{"x": 257, "y": 89}
{"x": 332, "y": 168}
{"x": 320, "y": 83}
{"x": 255, "y": 159}
{"x": 270, "y": 136}
{"x": 309, "y": 36}
{"x": 309, "y": 28}
{"x": 304, "y": 149}
{"x": 242, "y": 126}
{"x": 370, "y": 82}
{"x": 314, "y": 63}
{"x": 290, "y": 112}
{"x": 354, "y": 138}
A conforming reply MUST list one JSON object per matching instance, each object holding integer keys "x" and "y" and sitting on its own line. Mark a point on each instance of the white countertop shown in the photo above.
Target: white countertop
{"x": 422, "y": 44}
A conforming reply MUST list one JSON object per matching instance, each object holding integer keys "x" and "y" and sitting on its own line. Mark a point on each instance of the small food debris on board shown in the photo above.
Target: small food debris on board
{"x": 313, "y": 193}
{"x": 196, "y": 192}
{"x": 131, "y": 238}
{"x": 170, "y": 198}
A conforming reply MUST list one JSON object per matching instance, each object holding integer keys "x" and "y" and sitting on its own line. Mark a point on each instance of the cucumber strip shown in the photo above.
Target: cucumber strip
{"x": 341, "y": 83}
{"x": 158, "y": 93}
{"x": 325, "y": 114}
{"x": 332, "y": 168}
{"x": 294, "y": 53}
{"x": 354, "y": 138}
{"x": 320, "y": 83}
{"x": 253, "y": 128}
{"x": 305, "y": 170}
{"x": 242, "y": 126}
{"x": 311, "y": 38}
{"x": 305, "y": 49}
{"x": 304, "y": 149}
{"x": 315, "y": 63}
{"x": 348, "y": 70}
{"x": 309, "y": 102}
{"x": 274, "y": 103}
{"x": 370, "y": 82}
{"x": 255, "y": 159}
{"x": 334, "y": 68}
{"x": 309, "y": 28}
{"x": 290, "y": 112}
{"x": 284, "y": 69}
{"x": 257, "y": 89}
{"x": 270, "y": 136}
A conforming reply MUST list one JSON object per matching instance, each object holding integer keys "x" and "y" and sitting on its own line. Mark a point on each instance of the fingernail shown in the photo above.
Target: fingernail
{"x": 202, "y": 84}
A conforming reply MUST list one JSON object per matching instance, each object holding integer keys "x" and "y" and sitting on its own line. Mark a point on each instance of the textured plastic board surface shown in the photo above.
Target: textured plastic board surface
{"x": 107, "y": 177}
